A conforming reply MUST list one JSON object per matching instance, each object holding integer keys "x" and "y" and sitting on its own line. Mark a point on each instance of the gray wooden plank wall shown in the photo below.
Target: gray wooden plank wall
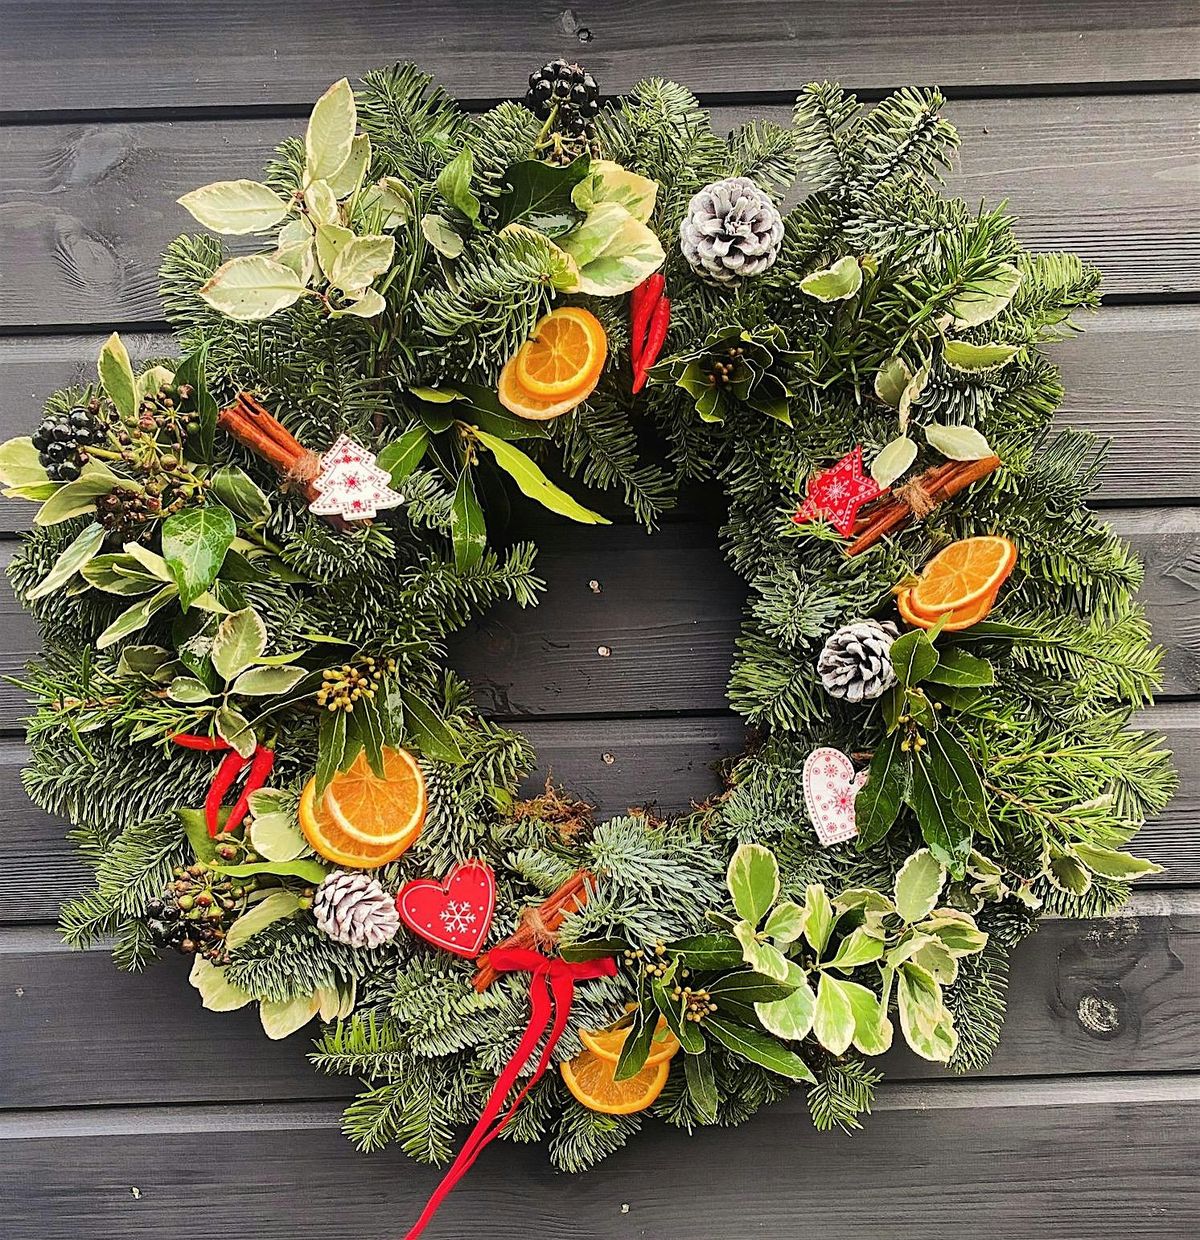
{"x": 126, "y": 1111}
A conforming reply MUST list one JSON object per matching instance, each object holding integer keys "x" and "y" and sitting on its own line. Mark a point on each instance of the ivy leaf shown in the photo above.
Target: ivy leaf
{"x": 194, "y": 543}
{"x": 878, "y": 803}
{"x": 251, "y": 288}
{"x": 983, "y": 299}
{"x": 217, "y": 992}
{"x": 540, "y": 195}
{"x": 918, "y": 885}
{"x": 758, "y": 1048}
{"x": 958, "y": 443}
{"x": 403, "y": 455}
{"x": 427, "y": 729}
{"x": 330, "y": 136}
{"x": 615, "y": 252}
{"x": 116, "y": 376}
{"x": 913, "y": 656}
{"x": 80, "y": 552}
{"x": 533, "y": 483}
{"x": 893, "y": 461}
{"x": 239, "y": 641}
{"x": 752, "y": 877}
{"x": 236, "y": 207}
{"x": 454, "y": 184}
{"x": 837, "y": 283}
{"x": 239, "y": 492}
{"x": 970, "y": 358}
{"x": 467, "y": 527}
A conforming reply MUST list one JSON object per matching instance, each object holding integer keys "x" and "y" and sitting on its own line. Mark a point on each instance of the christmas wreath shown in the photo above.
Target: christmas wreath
{"x": 246, "y": 563}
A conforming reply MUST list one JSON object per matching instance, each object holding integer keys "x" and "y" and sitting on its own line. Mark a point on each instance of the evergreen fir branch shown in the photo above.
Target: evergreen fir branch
{"x": 414, "y": 126}
{"x": 844, "y": 1091}
{"x": 825, "y": 119}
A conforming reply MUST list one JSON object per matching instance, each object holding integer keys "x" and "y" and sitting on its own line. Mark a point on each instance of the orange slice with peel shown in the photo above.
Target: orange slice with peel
{"x": 565, "y": 355}
{"x": 525, "y": 404}
{"x": 962, "y": 574}
{"x": 957, "y": 620}
{"x": 364, "y": 820}
{"x": 590, "y": 1080}
{"x": 608, "y": 1043}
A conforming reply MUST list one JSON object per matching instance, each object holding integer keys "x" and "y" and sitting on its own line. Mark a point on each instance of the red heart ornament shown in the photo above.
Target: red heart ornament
{"x": 455, "y": 914}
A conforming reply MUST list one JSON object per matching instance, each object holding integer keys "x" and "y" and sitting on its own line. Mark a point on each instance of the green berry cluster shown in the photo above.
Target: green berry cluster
{"x": 343, "y": 686}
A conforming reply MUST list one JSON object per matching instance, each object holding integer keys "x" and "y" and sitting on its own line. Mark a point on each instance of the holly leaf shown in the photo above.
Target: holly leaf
{"x": 194, "y": 543}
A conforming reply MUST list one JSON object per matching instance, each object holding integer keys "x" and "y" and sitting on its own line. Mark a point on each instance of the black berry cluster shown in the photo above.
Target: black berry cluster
{"x": 193, "y": 914}
{"x": 62, "y": 440}
{"x": 567, "y": 93}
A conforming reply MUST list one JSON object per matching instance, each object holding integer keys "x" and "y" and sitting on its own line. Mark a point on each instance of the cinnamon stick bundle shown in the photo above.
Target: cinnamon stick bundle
{"x": 917, "y": 499}
{"x": 539, "y": 926}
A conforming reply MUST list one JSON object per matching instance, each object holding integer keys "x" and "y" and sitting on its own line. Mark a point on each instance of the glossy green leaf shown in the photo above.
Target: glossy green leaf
{"x": 427, "y": 729}
{"x": 251, "y": 288}
{"x": 331, "y": 748}
{"x": 918, "y": 885}
{"x": 305, "y": 870}
{"x": 752, "y": 877}
{"x": 540, "y": 195}
{"x": 702, "y": 1085}
{"x": 240, "y": 493}
{"x": 240, "y": 640}
{"x": 958, "y": 443}
{"x": 702, "y": 952}
{"x": 236, "y": 207}
{"x": 758, "y": 1048}
{"x": 913, "y": 656}
{"x": 403, "y": 455}
{"x": 975, "y": 358}
{"x": 944, "y": 830}
{"x": 467, "y": 527}
{"x": 961, "y": 670}
{"x": 194, "y": 543}
{"x": 74, "y": 557}
{"x": 878, "y": 802}
{"x": 872, "y": 1029}
{"x": 116, "y": 376}
{"x": 329, "y": 138}
{"x": 533, "y": 483}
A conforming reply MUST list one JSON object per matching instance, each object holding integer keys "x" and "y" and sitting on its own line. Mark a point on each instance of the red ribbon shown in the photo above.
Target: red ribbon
{"x": 551, "y": 990}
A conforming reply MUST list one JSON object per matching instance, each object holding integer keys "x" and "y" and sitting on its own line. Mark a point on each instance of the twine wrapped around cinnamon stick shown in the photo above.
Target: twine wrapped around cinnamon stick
{"x": 253, "y": 426}
{"x": 918, "y": 499}
{"x": 538, "y": 928}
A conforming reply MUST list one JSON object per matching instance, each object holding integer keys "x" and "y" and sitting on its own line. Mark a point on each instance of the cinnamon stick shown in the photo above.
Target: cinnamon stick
{"x": 539, "y": 925}
{"x": 938, "y": 484}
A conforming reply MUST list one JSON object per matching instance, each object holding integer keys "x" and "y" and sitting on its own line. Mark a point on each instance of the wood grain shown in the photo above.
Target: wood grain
{"x": 1128, "y": 377}
{"x": 667, "y": 764}
{"x": 283, "y": 53}
{"x": 1062, "y": 1160}
{"x": 88, "y": 208}
{"x": 1088, "y": 997}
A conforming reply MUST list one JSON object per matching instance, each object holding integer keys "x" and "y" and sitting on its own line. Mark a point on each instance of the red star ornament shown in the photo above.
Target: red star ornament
{"x": 838, "y": 493}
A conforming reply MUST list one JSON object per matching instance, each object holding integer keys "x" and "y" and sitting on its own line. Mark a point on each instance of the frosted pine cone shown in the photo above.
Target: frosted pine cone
{"x": 731, "y": 231}
{"x": 354, "y": 909}
{"x": 856, "y": 661}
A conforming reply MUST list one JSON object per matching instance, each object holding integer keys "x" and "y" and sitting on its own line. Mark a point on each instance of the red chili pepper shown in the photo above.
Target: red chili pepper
{"x": 227, "y": 772}
{"x": 190, "y": 740}
{"x": 260, "y": 768}
{"x": 641, "y": 307}
{"x": 656, "y": 335}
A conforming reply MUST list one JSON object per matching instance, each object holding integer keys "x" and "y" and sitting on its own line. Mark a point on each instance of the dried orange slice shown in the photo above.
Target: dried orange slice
{"x": 590, "y": 1079}
{"x": 963, "y": 573}
{"x": 565, "y": 355}
{"x": 364, "y": 820}
{"x": 525, "y": 404}
{"x": 957, "y": 620}
{"x": 608, "y": 1043}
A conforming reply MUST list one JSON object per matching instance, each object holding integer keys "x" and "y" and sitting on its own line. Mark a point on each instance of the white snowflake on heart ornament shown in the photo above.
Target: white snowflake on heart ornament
{"x": 830, "y": 789}
{"x": 351, "y": 485}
